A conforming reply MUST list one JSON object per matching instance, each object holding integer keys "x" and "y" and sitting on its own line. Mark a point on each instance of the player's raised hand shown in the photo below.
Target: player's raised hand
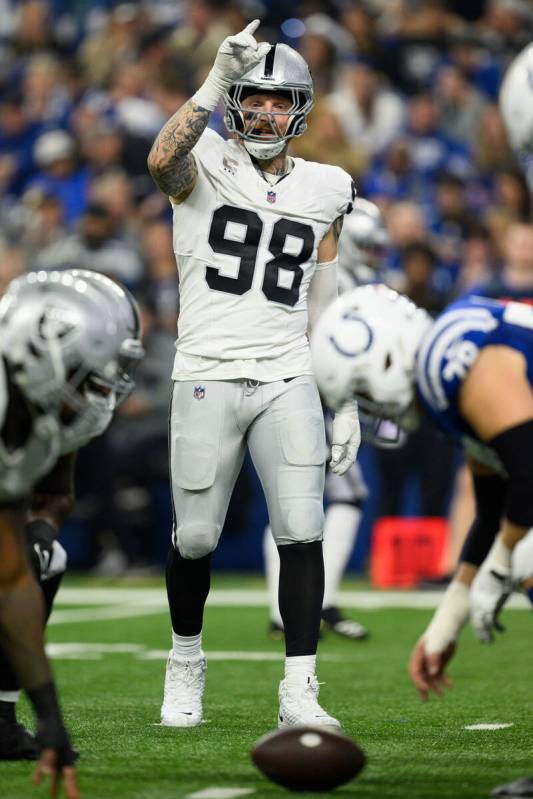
{"x": 47, "y": 766}
{"x": 239, "y": 53}
{"x": 427, "y": 671}
{"x": 346, "y": 438}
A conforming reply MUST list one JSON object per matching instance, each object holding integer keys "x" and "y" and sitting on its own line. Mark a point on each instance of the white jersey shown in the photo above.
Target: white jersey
{"x": 23, "y": 466}
{"x": 246, "y": 252}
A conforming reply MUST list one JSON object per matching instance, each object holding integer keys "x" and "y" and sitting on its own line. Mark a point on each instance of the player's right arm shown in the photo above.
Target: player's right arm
{"x": 21, "y": 635}
{"x": 170, "y": 161}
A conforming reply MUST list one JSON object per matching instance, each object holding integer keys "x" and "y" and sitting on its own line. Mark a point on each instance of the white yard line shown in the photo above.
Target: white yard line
{"x": 78, "y": 650}
{"x": 224, "y": 597}
{"x": 220, "y": 793}
{"x": 488, "y": 726}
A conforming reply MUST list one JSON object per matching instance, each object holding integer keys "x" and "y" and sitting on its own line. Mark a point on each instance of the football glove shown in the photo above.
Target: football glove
{"x": 489, "y": 592}
{"x": 236, "y": 55}
{"x": 346, "y": 438}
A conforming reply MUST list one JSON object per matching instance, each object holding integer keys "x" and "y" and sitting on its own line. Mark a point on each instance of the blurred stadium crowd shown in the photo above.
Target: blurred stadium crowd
{"x": 406, "y": 101}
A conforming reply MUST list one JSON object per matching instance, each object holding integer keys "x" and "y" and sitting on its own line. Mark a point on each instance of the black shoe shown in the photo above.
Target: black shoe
{"x": 275, "y": 632}
{"x": 333, "y": 620}
{"x": 16, "y": 743}
{"x": 523, "y": 788}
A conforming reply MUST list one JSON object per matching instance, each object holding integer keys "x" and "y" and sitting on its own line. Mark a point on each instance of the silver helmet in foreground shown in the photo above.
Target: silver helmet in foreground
{"x": 282, "y": 70}
{"x": 516, "y": 103}
{"x": 71, "y": 340}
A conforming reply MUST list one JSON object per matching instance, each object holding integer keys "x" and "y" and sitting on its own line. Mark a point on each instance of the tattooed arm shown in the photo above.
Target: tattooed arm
{"x": 170, "y": 162}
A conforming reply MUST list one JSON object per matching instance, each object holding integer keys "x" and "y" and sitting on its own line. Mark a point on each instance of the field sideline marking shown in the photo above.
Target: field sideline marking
{"x": 224, "y": 597}
{"x": 94, "y": 651}
{"x": 220, "y": 793}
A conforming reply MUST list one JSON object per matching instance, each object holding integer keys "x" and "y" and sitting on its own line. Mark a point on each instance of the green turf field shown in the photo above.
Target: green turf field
{"x": 418, "y": 751}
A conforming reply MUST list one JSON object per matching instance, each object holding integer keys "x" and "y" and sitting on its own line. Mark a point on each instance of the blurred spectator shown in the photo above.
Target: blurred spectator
{"x": 60, "y": 175}
{"x": 460, "y": 105}
{"x": 95, "y": 247}
{"x": 432, "y": 152}
{"x": 322, "y": 44}
{"x": 478, "y": 261}
{"x": 325, "y": 141}
{"x": 205, "y": 26}
{"x": 492, "y": 151}
{"x": 12, "y": 264}
{"x": 46, "y": 95}
{"x": 452, "y": 223}
{"x": 416, "y": 41}
{"x": 418, "y": 267}
{"x": 512, "y": 203}
{"x": 161, "y": 273}
{"x": 506, "y": 25}
{"x": 105, "y": 51}
{"x": 371, "y": 115}
{"x": 391, "y": 176}
{"x": 514, "y": 281}
{"x": 43, "y": 224}
{"x": 18, "y": 134}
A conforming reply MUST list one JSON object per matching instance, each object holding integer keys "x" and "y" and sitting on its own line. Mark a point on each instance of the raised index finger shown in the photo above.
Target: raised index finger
{"x": 252, "y": 26}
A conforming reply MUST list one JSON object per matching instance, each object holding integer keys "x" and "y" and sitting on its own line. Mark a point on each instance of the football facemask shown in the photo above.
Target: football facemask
{"x": 282, "y": 70}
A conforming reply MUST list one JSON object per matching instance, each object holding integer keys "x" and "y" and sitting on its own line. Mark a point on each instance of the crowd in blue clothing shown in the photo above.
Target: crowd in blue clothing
{"x": 406, "y": 100}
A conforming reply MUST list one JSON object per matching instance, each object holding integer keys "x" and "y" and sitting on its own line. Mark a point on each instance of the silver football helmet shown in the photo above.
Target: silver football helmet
{"x": 516, "y": 102}
{"x": 70, "y": 340}
{"x": 365, "y": 346}
{"x": 363, "y": 241}
{"x": 282, "y": 70}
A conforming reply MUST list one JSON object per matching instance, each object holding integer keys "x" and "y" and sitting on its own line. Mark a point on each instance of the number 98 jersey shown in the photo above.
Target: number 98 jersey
{"x": 453, "y": 345}
{"x": 246, "y": 251}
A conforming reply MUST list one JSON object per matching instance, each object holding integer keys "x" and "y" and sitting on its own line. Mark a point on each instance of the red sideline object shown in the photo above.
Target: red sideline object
{"x": 407, "y": 550}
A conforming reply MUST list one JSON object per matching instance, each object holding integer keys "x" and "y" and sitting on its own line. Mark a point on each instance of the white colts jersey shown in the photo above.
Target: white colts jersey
{"x": 246, "y": 252}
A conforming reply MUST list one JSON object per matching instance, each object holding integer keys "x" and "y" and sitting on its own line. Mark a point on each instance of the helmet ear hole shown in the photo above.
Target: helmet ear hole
{"x": 388, "y": 362}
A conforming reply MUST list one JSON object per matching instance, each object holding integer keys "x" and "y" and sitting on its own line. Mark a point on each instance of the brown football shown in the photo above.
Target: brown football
{"x": 308, "y": 758}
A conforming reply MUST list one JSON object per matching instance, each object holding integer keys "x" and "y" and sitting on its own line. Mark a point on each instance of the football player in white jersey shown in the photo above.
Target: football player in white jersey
{"x": 67, "y": 340}
{"x": 255, "y": 237}
{"x": 362, "y": 245}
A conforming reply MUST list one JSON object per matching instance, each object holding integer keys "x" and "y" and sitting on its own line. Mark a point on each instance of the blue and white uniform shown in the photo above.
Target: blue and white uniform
{"x": 452, "y": 347}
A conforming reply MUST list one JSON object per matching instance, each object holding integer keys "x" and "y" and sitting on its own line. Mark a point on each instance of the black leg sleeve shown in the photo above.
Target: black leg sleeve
{"x": 490, "y": 492}
{"x": 301, "y": 590}
{"x": 188, "y": 583}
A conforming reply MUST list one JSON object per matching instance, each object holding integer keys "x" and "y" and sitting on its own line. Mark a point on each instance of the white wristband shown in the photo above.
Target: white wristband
{"x": 210, "y": 92}
{"x": 449, "y": 619}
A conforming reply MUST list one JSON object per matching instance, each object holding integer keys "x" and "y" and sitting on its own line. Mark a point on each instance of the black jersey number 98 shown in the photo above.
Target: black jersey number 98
{"x": 246, "y": 251}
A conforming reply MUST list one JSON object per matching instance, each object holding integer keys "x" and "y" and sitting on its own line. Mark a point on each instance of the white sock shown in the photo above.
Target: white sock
{"x": 340, "y": 531}
{"x": 9, "y": 696}
{"x": 271, "y": 558}
{"x": 301, "y": 665}
{"x": 187, "y": 646}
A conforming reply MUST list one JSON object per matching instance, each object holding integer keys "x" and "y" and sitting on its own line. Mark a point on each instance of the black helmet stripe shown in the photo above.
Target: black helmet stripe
{"x": 269, "y": 62}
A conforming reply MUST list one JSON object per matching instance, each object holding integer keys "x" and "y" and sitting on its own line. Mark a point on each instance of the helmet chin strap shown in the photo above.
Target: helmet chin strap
{"x": 264, "y": 150}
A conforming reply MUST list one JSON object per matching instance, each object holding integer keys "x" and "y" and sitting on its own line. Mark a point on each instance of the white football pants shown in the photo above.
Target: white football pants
{"x": 211, "y": 424}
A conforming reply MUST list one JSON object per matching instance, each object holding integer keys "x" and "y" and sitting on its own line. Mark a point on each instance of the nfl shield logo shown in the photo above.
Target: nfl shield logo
{"x": 271, "y": 196}
{"x": 199, "y": 392}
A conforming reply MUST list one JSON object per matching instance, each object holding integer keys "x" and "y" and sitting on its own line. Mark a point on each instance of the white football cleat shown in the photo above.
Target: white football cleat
{"x": 298, "y": 703}
{"x": 184, "y": 689}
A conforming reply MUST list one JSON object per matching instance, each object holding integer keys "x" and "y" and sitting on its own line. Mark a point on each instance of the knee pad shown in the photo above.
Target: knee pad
{"x": 194, "y": 541}
{"x": 302, "y": 522}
